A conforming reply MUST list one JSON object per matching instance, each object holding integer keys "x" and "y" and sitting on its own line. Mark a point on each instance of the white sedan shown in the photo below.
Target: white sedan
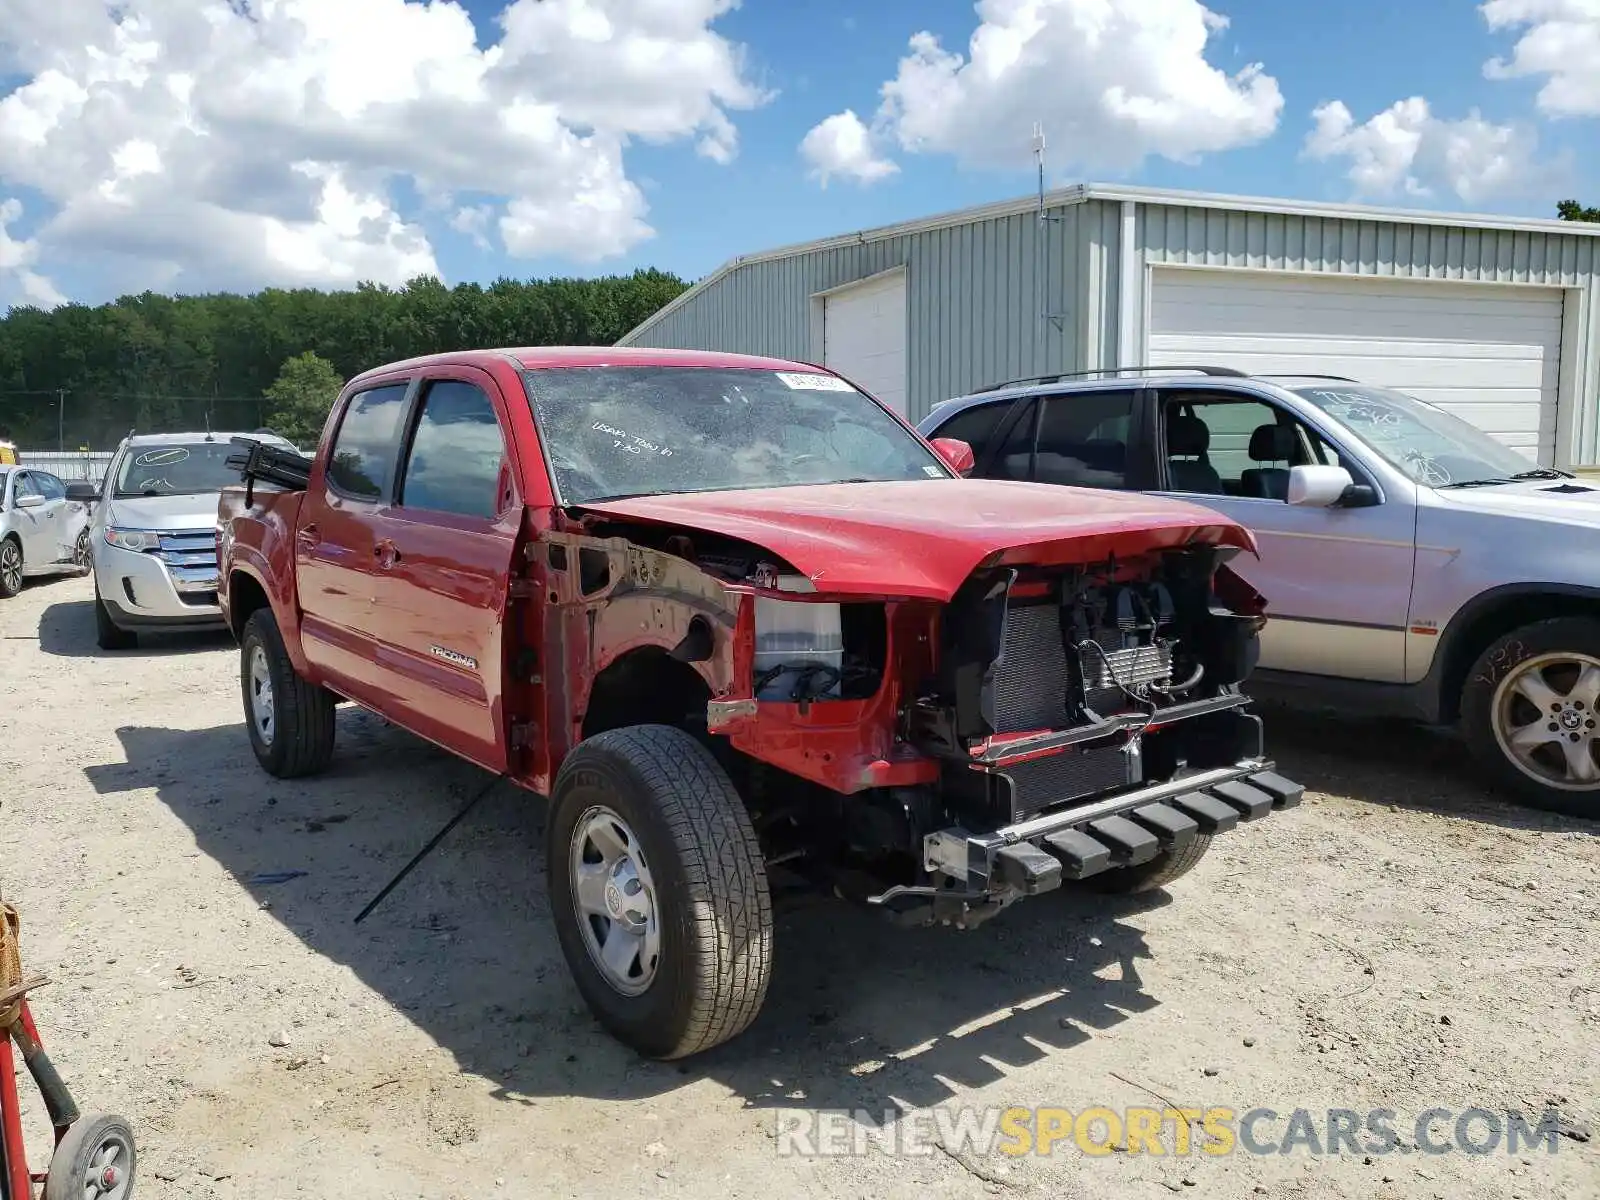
{"x": 41, "y": 531}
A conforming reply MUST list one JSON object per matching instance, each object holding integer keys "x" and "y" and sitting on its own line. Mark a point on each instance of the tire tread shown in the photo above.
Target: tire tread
{"x": 728, "y": 900}
{"x": 305, "y": 712}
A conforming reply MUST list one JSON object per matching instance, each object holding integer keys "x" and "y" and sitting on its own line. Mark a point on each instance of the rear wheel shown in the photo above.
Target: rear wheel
{"x": 1158, "y": 872}
{"x": 1530, "y": 711}
{"x": 108, "y": 635}
{"x": 291, "y": 721}
{"x": 658, "y": 891}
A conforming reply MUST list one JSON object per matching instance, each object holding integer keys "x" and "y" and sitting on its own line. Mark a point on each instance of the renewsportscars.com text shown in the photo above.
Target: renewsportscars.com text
{"x": 1175, "y": 1131}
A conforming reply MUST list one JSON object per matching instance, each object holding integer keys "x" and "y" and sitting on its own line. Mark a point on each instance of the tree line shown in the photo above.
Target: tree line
{"x": 87, "y": 374}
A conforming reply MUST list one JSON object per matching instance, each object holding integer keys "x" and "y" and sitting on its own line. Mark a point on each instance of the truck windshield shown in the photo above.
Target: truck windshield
{"x": 176, "y": 470}
{"x": 1433, "y": 447}
{"x": 611, "y": 432}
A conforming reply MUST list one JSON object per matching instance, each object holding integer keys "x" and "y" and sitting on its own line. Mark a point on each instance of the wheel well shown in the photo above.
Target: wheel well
{"x": 245, "y": 596}
{"x": 1496, "y": 619}
{"x": 647, "y": 687}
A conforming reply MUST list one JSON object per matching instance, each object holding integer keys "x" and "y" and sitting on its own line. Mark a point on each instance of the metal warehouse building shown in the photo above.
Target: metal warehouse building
{"x": 1495, "y": 318}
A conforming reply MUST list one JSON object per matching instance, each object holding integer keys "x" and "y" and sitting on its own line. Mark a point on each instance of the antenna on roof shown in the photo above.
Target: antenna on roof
{"x": 1038, "y": 158}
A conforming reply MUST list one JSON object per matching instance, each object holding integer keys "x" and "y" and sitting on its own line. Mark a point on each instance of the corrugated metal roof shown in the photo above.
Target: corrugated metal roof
{"x": 1079, "y": 193}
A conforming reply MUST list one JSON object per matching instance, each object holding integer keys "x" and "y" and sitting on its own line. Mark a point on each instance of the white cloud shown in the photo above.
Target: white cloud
{"x": 1406, "y": 149}
{"x": 238, "y": 143}
{"x": 1561, "y": 43}
{"x": 19, "y": 283}
{"x": 1111, "y": 84}
{"x": 842, "y": 145}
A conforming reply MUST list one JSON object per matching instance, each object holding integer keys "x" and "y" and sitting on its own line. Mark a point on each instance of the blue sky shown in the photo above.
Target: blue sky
{"x": 535, "y": 137}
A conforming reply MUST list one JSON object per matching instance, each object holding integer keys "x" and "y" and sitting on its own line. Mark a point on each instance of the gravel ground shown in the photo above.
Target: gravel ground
{"x": 1400, "y": 941}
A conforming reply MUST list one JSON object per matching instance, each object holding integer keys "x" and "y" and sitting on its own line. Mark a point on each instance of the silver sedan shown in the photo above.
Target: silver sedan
{"x": 41, "y": 531}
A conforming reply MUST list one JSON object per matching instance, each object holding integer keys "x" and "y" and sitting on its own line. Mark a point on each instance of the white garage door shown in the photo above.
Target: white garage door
{"x": 1488, "y": 353}
{"x": 864, "y": 336}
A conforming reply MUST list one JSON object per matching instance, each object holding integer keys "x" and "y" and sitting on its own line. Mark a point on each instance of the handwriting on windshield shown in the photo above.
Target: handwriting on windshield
{"x": 161, "y": 458}
{"x": 631, "y": 443}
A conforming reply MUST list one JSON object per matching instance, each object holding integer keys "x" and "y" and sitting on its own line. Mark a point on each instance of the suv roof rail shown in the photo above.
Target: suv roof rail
{"x": 1311, "y": 375}
{"x": 1228, "y": 372}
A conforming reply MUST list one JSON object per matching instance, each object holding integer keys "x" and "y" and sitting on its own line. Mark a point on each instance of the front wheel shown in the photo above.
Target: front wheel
{"x": 108, "y": 635}
{"x": 1161, "y": 870}
{"x": 82, "y": 553}
{"x": 291, "y": 721}
{"x": 1530, "y": 711}
{"x": 658, "y": 891}
{"x": 10, "y": 568}
{"x": 96, "y": 1158}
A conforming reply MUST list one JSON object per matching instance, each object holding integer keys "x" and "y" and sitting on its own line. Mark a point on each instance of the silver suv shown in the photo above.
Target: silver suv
{"x": 153, "y": 534}
{"x": 1413, "y": 565}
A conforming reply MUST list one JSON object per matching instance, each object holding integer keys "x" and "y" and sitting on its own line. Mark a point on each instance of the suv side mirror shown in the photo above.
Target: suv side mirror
{"x": 1318, "y": 486}
{"x": 956, "y": 453}
{"x": 83, "y": 493}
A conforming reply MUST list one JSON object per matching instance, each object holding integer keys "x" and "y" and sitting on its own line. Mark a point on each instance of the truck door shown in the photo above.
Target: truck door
{"x": 444, "y": 557}
{"x": 336, "y": 546}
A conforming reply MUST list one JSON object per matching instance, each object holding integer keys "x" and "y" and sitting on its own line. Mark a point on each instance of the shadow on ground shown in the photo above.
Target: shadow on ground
{"x": 466, "y": 949}
{"x": 67, "y": 630}
{"x": 1394, "y": 762}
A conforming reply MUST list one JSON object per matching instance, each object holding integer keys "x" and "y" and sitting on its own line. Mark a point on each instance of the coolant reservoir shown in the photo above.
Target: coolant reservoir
{"x": 797, "y": 644}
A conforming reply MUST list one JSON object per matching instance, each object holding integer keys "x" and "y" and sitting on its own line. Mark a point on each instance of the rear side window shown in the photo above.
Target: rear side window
{"x": 1083, "y": 439}
{"x": 362, "y": 458}
{"x": 456, "y": 453}
{"x": 976, "y": 426}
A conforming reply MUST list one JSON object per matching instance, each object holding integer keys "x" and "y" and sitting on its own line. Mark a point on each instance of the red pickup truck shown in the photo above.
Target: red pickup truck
{"x": 744, "y": 626}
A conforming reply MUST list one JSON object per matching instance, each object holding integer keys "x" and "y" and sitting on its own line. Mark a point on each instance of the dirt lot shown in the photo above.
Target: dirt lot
{"x": 1401, "y": 941}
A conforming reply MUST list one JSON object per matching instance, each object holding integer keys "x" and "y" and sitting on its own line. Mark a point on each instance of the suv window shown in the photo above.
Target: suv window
{"x": 362, "y": 456}
{"x": 456, "y": 453}
{"x": 976, "y": 426}
{"x": 1236, "y": 446}
{"x": 1083, "y": 439}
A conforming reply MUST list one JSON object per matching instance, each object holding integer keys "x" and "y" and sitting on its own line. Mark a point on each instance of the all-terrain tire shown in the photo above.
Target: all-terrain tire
{"x": 710, "y": 894}
{"x": 299, "y": 739}
{"x": 108, "y": 635}
{"x": 1483, "y": 696}
{"x": 1158, "y": 872}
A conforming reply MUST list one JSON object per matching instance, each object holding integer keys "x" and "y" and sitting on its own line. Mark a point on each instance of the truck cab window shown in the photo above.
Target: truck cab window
{"x": 362, "y": 456}
{"x": 456, "y": 453}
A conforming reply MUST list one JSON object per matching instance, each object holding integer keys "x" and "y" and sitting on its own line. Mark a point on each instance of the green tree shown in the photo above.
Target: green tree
{"x": 299, "y": 399}
{"x": 173, "y": 362}
{"x": 1571, "y": 210}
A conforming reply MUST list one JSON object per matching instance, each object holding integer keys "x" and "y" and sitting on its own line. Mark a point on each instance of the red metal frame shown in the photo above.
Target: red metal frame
{"x": 18, "y": 1184}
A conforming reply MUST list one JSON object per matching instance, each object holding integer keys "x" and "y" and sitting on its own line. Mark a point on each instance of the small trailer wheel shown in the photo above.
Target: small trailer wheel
{"x": 95, "y": 1160}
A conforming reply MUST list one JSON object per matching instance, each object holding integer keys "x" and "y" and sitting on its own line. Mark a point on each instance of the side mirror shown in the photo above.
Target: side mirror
{"x": 1318, "y": 486}
{"x": 956, "y": 453}
{"x": 83, "y": 493}
{"x": 29, "y": 501}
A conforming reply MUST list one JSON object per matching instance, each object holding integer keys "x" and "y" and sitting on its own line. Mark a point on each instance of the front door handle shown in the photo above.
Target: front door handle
{"x": 386, "y": 554}
{"x": 306, "y": 537}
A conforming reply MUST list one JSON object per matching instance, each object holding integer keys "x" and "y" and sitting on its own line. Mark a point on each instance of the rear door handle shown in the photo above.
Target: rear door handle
{"x": 306, "y": 537}
{"x": 386, "y": 553}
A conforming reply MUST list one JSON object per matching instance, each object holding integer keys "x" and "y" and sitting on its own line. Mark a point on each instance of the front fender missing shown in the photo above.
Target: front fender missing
{"x": 610, "y": 596}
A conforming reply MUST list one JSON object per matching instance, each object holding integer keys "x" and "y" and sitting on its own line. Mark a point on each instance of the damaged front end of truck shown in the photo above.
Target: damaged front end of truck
{"x": 935, "y": 727}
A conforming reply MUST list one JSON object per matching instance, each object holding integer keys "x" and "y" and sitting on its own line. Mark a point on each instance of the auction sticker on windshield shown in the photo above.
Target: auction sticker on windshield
{"x": 813, "y": 383}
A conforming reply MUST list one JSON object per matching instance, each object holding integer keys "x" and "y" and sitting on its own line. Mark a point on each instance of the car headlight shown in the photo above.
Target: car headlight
{"x": 137, "y": 540}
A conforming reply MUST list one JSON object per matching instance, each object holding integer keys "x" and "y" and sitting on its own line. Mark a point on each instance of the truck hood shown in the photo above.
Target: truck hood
{"x": 186, "y": 512}
{"x": 1562, "y": 501}
{"x": 922, "y": 538}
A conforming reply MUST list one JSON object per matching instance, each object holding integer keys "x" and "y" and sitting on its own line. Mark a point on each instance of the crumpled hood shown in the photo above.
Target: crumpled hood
{"x": 922, "y": 538}
{"x": 193, "y": 512}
